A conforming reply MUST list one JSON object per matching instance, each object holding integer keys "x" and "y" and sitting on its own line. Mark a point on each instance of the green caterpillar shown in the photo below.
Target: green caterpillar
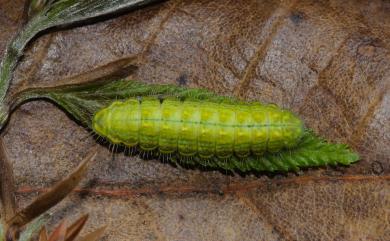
{"x": 194, "y": 127}
{"x": 199, "y": 128}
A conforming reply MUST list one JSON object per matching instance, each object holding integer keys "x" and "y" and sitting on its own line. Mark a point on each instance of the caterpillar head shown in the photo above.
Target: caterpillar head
{"x": 100, "y": 122}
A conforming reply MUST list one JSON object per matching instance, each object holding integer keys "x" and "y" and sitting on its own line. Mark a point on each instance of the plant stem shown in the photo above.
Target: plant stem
{"x": 11, "y": 58}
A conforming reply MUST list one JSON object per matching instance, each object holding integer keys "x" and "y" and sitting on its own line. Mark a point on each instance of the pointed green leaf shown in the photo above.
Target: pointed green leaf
{"x": 313, "y": 151}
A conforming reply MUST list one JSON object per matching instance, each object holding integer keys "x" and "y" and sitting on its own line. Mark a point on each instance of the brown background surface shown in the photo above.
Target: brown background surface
{"x": 328, "y": 61}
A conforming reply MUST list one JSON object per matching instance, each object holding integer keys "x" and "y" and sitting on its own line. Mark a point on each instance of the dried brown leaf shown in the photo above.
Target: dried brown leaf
{"x": 59, "y": 233}
{"x": 95, "y": 235}
{"x": 75, "y": 228}
{"x": 326, "y": 60}
{"x": 117, "y": 69}
{"x": 43, "y": 235}
{"x": 47, "y": 200}
{"x": 7, "y": 184}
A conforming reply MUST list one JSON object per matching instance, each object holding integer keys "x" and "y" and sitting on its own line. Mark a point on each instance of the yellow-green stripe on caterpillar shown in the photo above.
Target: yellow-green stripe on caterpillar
{"x": 199, "y": 128}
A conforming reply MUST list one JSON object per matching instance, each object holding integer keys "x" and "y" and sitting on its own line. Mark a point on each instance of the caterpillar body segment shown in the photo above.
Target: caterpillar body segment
{"x": 199, "y": 129}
